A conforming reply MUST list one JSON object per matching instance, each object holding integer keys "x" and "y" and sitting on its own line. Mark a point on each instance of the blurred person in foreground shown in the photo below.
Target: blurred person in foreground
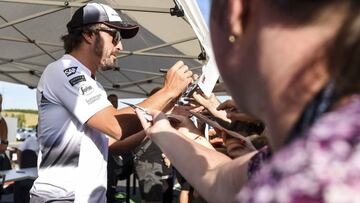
{"x": 294, "y": 65}
{"x": 75, "y": 115}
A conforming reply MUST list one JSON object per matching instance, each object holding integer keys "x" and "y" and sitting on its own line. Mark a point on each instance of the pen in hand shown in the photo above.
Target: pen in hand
{"x": 147, "y": 116}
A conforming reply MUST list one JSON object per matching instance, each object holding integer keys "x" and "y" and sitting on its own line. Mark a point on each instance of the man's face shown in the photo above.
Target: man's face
{"x": 106, "y": 47}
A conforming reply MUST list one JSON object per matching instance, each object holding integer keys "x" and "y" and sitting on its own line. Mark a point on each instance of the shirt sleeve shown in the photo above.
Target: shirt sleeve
{"x": 78, "y": 93}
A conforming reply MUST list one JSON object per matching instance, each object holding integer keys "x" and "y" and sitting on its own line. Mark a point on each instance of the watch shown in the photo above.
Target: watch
{"x": 4, "y": 142}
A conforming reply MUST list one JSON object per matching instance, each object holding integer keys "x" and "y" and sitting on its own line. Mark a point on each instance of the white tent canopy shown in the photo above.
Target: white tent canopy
{"x": 30, "y": 32}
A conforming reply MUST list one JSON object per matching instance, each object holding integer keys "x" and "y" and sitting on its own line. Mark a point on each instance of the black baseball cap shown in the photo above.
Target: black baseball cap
{"x": 100, "y": 13}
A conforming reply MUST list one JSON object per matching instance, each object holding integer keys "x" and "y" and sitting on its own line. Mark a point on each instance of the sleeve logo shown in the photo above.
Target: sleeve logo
{"x": 86, "y": 89}
{"x": 70, "y": 71}
{"x": 77, "y": 79}
{"x": 93, "y": 99}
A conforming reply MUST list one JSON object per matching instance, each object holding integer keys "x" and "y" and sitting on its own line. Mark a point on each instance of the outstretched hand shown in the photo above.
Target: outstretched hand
{"x": 233, "y": 114}
{"x": 211, "y": 105}
{"x": 158, "y": 123}
{"x": 183, "y": 124}
{"x": 227, "y": 105}
{"x": 178, "y": 78}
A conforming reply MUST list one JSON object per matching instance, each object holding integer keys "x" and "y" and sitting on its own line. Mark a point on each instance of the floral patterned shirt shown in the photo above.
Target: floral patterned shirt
{"x": 322, "y": 166}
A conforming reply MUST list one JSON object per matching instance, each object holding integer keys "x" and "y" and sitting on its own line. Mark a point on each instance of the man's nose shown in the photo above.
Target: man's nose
{"x": 119, "y": 46}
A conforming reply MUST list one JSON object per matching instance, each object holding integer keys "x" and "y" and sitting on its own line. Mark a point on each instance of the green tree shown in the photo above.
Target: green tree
{"x": 21, "y": 120}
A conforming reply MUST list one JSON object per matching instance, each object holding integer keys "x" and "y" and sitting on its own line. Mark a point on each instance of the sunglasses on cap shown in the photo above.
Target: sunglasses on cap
{"x": 113, "y": 32}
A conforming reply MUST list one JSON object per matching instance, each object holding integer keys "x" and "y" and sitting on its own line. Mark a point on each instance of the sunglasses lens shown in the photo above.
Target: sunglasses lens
{"x": 116, "y": 36}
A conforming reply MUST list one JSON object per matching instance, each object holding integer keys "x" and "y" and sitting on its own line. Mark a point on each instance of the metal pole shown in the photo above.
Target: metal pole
{"x": 30, "y": 40}
{"x": 158, "y": 46}
{"x": 13, "y": 78}
{"x": 161, "y": 55}
{"x": 75, "y": 4}
{"x": 105, "y": 77}
{"x": 141, "y": 88}
{"x": 27, "y": 41}
{"x": 140, "y": 71}
{"x": 126, "y": 91}
{"x": 16, "y": 61}
{"x": 36, "y": 15}
{"x": 127, "y": 84}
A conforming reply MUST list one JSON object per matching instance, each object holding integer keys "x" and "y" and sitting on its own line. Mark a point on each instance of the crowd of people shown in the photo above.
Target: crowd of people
{"x": 289, "y": 133}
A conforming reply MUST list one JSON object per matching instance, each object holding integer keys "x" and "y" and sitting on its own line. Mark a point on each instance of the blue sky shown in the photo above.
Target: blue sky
{"x": 17, "y": 96}
{"x": 204, "y": 6}
{"x": 21, "y": 97}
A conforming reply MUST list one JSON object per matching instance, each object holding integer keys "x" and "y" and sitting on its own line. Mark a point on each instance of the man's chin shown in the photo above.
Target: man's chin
{"x": 107, "y": 67}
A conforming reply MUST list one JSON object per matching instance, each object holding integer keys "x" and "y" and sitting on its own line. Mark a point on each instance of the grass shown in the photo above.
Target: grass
{"x": 31, "y": 118}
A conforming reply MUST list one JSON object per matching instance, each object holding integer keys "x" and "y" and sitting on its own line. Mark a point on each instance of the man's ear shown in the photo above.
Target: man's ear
{"x": 88, "y": 37}
{"x": 237, "y": 10}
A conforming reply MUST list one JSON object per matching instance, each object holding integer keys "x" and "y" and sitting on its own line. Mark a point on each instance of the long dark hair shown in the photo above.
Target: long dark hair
{"x": 73, "y": 39}
{"x": 344, "y": 54}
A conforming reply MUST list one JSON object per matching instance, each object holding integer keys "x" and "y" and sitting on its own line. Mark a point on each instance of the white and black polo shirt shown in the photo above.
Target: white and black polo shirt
{"x": 73, "y": 157}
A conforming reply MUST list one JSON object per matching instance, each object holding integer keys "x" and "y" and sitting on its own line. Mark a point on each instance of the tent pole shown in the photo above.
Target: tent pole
{"x": 13, "y": 78}
{"x": 135, "y": 82}
{"x": 140, "y": 71}
{"x": 20, "y": 20}
{"x": 146, "y": 80}
{"x": 151, "y": 73}
{"x": 30, "y": 17}
{"x": 160, "y": 55}
{"x": 126, "y": 91}
{"x": 159, "y": 46}
{"x": 68, "y": 4}
{"x": 30, "y": 40}
{"x": 27, "y": 41}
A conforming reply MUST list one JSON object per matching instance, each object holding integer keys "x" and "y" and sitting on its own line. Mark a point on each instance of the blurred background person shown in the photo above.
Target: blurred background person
{"x": 31, "y": 143}
{"x": 119, "y": 166}
{"x": 154, "y": 175}
{"x": 27, "y": 155}
{"x": 4, "y": 159}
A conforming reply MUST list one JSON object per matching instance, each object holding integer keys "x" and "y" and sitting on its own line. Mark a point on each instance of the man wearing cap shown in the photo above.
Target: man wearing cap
{"x": 75, "y": 115}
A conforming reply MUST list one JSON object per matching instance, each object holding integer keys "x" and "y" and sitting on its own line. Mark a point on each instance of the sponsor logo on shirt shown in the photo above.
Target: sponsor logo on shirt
{"x": 93, "y": 99}
{"x": 77, "y": 79}
{"x": 86, "y": 89}
{"x": 70, "y": 71}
